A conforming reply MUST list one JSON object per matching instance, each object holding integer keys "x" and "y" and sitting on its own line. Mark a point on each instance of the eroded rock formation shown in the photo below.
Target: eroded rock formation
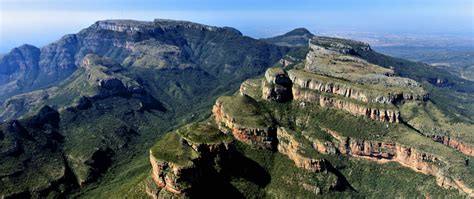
{"x": 277, "y": 85}
{"x": 454, "y": 143}
{"x": 410, "y": 157}
{"x": 262, "y": 136}
{"x": 182, "y": 159}
{"x": 289, "y": 146}
{"x": 391, "y": 115}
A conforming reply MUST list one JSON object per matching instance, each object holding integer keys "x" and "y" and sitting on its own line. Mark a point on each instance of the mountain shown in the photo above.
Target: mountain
{"x": 116, "y": 87}
{"x": 295, "y": 38}
{"x": 142, "y": 48}
{"x": 334, "y": 125}
{"x": 131, "y": 109}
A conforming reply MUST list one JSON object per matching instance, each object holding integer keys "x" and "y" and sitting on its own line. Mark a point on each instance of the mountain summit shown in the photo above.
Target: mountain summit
{"x": 295, "y": 38}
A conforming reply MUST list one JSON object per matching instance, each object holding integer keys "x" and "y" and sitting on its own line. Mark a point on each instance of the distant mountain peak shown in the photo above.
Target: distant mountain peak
{"x": 298, "y": 32}
{"x": 295, "y": 38}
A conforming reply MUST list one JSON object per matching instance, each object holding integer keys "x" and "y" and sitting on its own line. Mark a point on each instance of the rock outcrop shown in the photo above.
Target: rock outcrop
{"x": 454, "y": 143}
{"x": 277, "y": 85}
{"x": 290, "y": 147}
{"x": 410, "y": 157}
{"x": 181, "y": 159}
{"x": 247, "y": 122}
{"x": 382, "y": 114}
{"x": 350, "y": 90}
{"x": 167, "y": 175}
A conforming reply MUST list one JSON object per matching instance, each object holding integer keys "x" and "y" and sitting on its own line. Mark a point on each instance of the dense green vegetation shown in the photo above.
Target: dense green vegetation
{"x": 206, "y": 132}
{"x": 172, "y": 149}
{"x": 169, "y": 79}
{"x": 246, "y": 111}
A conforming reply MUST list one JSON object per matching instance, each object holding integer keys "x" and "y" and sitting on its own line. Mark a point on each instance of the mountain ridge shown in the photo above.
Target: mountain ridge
{"x": 131, "y": 82}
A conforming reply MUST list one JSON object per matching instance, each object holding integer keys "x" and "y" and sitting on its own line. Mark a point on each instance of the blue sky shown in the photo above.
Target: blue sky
{"x": 39, "y": 22}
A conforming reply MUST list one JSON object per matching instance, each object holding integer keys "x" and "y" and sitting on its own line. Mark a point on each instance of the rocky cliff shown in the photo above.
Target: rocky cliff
{"x": 289, "y": 146}
{"x": 181, "y": 159}
{"x": 333, "y": 78}
{"x": 243, "y": 117}
{"x": 383, "y": 113}
{"x": 410, "y": 157}
{"x": 455, "y": 143}
{"x": 351, "y": 90}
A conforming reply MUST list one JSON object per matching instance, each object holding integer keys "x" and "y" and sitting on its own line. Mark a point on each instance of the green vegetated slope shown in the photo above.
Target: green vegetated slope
{"x": 120, "y": 99}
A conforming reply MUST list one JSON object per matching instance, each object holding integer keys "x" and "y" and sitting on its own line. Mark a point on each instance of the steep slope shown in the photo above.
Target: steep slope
{"x": 150, "y": 45}
{"x": 129, "y": 83}
{"x": 331, "y": 107}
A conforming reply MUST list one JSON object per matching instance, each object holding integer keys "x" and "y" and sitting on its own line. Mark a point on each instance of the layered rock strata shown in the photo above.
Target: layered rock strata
{"x": 349, "y": 90}
{"x": 454, "y": 143}
{"x": 182, "y": 158}
{"x": 289, "y": 146}
{"x": 258, "y": 132}
{"x": 391, "y": 115}
{"x": 410, "y": 157}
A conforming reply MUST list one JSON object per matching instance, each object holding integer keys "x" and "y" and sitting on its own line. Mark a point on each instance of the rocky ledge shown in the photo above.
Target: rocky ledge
{"x": 351, "y": 90}
{"x": 377, "y": 113}
{"x": 288, "y": 145}
{"x": 243, "y": 117}
{"x": 410, "y": 157}
{"x": 133, "y": 26}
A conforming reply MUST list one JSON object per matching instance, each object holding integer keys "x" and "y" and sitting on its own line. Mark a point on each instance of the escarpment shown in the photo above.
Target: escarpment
{"x": 454, "y": 143}
{"x": 417, "y": 160}
{"x": 289, "y": 146}
{"x": 383, "y": 113}
{"x": 277, "y": 86}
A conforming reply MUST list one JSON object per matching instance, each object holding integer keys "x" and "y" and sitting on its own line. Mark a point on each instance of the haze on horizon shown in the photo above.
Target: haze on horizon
{"x": 39, "y": 22}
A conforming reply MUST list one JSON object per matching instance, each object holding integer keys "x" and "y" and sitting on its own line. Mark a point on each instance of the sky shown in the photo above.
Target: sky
{"x": 39, "y": 22}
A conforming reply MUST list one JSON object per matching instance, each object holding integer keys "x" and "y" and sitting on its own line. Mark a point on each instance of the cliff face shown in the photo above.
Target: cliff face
{"x": 183, "y": 158}
{"x": 277, "y": 85}
{"x": 167, "y": 175}
{"x": 262, "y": 137}
{"x": 412, "y": 158}
{"x": 377, "y": 114}
{"x": 454, "y": 143}
{"x": 323, "y": 84}
{"x": 289, "y": 146}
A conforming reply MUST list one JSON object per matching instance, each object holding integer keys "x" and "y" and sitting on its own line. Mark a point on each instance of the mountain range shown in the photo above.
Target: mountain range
{"x": 133, "y": 109}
